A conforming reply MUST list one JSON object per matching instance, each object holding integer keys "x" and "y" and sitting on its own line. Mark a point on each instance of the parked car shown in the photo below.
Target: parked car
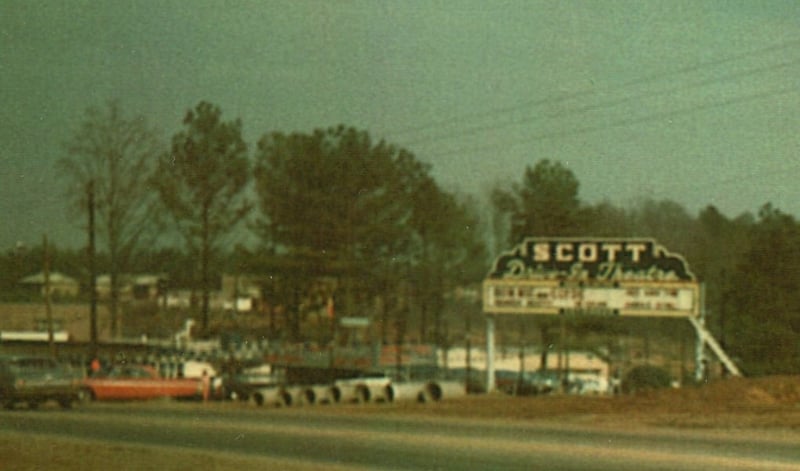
{"x": 508, "y": 381}
{"x": 475, "y": 384}
{"x": 543, "y": 382}
{"x": 35, "y": 380}
{"x": 592, "y": 386}
{"x": 136, "y": 382}
{"x": 528, "y": 383}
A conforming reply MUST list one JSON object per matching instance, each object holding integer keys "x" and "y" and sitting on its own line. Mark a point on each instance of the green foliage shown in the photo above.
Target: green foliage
{"x": 334, "y": 192}
{"x": 646, "y": 377}
{"x": 368, "y": 212}
{"x": 545, "y": 204}
{"x": 764, "y": 330}
{"x": 448, "y": 251}
{"x": 339, "y": 204}
{"x": 201, "y": 183}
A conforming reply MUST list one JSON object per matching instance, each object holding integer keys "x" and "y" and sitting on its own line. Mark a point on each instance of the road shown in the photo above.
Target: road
{"x": 329, "y": 436}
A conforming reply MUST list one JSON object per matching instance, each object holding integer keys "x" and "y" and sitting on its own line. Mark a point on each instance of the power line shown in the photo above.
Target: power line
{"x": 786, "y": 171}
{"x": 606, "y": 104}
{"x": 569, "y": 96}
{"x": 627, "y": 121}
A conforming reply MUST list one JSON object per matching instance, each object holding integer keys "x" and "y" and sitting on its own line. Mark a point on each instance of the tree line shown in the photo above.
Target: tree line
{"x": 335, "y": 202}
{"x": 332, "y": 202}
{"x": 749, "y": 265}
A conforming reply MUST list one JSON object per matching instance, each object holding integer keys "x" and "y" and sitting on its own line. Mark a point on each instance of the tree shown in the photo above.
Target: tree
{"x": 763, "y": 327}
{"x": 448, "y": 250}
{"x": 338, "y": 197}
{"x": 201, "y": 182}
{"x": 545, "y": 204}
{"x": 666, "y": 221}
{"x": 605, "y": 220}
{"x": 114, "y": 155}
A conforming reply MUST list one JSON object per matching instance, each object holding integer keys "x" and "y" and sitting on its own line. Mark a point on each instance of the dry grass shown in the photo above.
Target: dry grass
{"x": 33, "y": 453}
{"x": 731, "y": 403}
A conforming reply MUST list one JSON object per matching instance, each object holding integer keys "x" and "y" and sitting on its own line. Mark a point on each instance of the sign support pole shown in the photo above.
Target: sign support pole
{"x": 700, "y": 346}
{"x": 699, "y": 356}
{"x": 490, "y": 383}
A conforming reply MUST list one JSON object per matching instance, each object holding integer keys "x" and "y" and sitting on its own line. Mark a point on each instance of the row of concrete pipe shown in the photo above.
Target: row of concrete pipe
{"x": 429, "y": 391}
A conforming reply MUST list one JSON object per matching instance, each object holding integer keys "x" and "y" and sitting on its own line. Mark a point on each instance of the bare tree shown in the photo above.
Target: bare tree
{"x": 114, "y": 155}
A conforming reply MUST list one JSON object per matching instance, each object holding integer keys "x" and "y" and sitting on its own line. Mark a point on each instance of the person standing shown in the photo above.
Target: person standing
{"x": 206, "y": 384}
{"x": 95, "y": 366}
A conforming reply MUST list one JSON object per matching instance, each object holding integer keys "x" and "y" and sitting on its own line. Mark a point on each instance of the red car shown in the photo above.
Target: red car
{"x": 129, "y": 382}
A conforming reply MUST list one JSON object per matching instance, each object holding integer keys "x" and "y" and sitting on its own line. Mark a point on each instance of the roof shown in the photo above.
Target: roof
{"x": 55, "y": 277}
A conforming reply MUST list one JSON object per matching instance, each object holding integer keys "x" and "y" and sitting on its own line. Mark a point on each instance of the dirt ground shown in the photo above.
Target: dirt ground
{"x": 765, "y": 404}
{"x": 772, "y": 402}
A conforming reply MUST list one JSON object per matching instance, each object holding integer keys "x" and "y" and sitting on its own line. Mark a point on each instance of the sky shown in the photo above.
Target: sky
{"x": 692, "y": 101}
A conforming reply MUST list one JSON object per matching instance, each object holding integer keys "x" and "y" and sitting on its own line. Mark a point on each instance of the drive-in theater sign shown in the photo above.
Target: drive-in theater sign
{"x": 629, "y": 277}
{"x": 589, "y": 277}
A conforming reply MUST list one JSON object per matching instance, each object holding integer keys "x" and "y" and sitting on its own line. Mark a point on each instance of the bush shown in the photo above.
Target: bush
{"x": 646, "y": 377}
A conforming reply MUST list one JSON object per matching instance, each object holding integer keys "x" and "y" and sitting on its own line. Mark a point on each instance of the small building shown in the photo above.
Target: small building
{"x": 61, "y": 285}
{"x": 140, "y": 287}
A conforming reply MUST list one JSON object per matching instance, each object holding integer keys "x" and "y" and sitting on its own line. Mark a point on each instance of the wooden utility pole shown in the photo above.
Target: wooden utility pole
{"x": 47, "y": 305}
{"x": 468, "y": 340}
{"x": 92, "y": 273}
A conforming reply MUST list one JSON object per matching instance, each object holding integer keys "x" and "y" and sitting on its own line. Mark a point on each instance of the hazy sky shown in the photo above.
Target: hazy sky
{"x": 695, "y": 101}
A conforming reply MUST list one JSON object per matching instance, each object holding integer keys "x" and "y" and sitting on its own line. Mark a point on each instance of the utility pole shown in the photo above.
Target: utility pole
{"x": 92, "y": 273}
{"x": 468, "y": 340}
{"x": 521, "y": 377}
{"x": 47, "y": 305}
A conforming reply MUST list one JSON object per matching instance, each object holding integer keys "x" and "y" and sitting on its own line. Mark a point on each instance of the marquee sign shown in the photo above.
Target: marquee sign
{"x": 632, "y": 277}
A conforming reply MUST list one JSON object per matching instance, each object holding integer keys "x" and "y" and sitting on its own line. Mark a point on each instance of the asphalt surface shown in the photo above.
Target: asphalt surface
{"x": 325, "y": 436}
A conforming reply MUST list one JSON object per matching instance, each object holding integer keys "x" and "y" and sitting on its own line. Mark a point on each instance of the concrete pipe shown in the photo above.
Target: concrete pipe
{"x": 299, "y": 395}
{"x": 377, "y": 392}
{"x": 319, "y": 394}
{"x": 355, "y": 392}
{"x": 351, "y": 393}
{"x": 335, "y": 393}
{"x": 412, "y": 391}
{"x": 272, "y": 396}
{"x": 438, "y": 390}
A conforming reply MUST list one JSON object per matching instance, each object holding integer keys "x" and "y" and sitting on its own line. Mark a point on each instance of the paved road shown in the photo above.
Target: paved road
{"x": 389, "y": 442}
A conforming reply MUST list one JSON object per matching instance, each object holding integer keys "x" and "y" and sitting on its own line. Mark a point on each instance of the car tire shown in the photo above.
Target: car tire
{"x": 258, "y": 399}
{"x": 85, "y": 395}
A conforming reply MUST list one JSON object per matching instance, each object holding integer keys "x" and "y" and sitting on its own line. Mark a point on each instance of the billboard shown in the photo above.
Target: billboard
{"x": 581, "y": 276}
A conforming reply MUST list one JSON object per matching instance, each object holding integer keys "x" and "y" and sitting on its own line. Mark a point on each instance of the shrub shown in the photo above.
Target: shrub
{"x": 646, "y": 377}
